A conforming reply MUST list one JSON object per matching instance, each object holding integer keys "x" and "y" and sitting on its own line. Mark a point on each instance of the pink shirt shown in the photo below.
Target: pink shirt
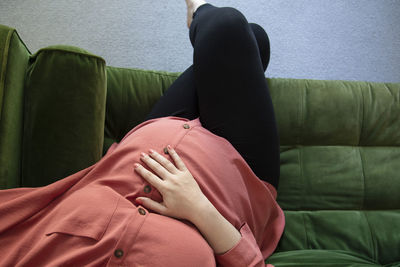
{"x": 90, "y": 218}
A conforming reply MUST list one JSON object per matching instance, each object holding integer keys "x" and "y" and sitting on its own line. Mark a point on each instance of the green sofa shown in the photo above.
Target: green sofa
{"x": 62, "y": 107}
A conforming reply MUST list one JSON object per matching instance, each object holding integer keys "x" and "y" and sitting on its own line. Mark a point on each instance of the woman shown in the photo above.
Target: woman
{"x": 193, "y": 199}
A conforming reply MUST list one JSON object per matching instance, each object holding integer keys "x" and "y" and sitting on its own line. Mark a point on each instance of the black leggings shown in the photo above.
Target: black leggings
{"x": 227, "y": 89}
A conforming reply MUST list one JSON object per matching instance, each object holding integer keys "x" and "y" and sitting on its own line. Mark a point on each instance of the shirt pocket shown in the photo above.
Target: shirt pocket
{"x": 85, "y": 213}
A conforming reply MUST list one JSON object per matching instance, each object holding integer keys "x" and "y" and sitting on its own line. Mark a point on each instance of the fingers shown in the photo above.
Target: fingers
{"x": 148, "y": 176}
{"x": 178, "y": 162}
{"x": 153, "y": 164}
{"x": 160, "y": 165}
{"x": 163, "y": 161}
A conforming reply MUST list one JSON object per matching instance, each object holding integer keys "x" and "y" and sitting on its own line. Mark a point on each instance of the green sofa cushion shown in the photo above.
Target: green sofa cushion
{"x": 64, "y": 114}
{"x": 339, "y": 169}
{"x": 370, "y": 234}
{"x": 131, "y": 95}
{"x": 336, "y": 112}
{"x": 339, "y": 177}
{"x": 13, "y": 62}
{"x": 322, "y": 258}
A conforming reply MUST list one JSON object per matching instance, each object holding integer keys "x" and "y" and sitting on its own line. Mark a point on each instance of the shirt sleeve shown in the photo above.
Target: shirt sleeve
{"x": 245, "y": 253}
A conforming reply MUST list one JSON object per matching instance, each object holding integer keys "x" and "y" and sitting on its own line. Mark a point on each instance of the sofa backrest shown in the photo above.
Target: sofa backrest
{"x": 131, "y": 93}
{"x": 340, "y": 166}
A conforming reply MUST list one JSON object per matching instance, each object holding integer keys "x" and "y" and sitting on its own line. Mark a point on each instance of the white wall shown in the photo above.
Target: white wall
{"x": 317, "y": 39}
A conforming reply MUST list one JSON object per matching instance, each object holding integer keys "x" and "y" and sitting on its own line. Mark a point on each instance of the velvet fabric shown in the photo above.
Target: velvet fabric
{"x": 13, "y": 63}
{"x": 130, "y": 96}
{"x": 64, "y": 110}
{"x": 340, "y": 140}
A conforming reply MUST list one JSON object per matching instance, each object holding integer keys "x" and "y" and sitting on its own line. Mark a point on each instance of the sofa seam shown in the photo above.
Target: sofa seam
{"x": 374, "y": 254}
{"x": 363, "y": 177}
{"x": 362, "y": 108}
{"x": 300, "y": 156}
{"x": 301, "y": 114}
{"x": 160, "y": 73}
{"x": 305, "y": 231}
{"x": 4, "y": 69}
{"x": 26, "y": 126}
{"x": 338, "y": 145}
{"x": 43, "y": 50}
{"x": 20, "y": 39}
{"x": 342, "y": 210}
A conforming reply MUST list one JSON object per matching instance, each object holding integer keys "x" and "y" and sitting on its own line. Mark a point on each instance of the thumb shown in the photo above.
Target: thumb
{"x": 151, "y": 204}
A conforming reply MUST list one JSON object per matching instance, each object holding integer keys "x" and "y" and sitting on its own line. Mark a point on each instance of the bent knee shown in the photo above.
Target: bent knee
{"x": 230, "y": 21}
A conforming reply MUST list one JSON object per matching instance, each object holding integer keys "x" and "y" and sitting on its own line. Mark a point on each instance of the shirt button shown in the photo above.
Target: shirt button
{"x": 186, "y": 126}
{"x": 118, "y": 253}
{"x": 147, "y": 189}
{"x": 165, "y": 150}
{"x": 142, "y": 211}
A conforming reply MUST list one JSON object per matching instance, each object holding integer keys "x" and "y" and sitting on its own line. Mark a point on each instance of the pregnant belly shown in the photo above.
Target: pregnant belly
{"x": 164, "y": 241}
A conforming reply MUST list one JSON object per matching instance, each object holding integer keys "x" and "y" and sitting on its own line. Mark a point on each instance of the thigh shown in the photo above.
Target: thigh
{"x": 234, "y": 100}
{"x": 180, "y": 100}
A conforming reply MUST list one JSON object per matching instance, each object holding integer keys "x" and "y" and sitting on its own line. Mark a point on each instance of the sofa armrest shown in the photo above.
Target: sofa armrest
{"x": 13, "y": 63}
{"x": 65, "y": 96}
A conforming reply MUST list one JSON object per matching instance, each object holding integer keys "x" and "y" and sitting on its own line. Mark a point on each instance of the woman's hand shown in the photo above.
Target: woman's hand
{"x": 183, "y": 199}
{"x": 182, "y": 196}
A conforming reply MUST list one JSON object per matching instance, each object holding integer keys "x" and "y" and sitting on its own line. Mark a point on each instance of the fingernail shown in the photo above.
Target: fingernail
{"x": 169, "y": 147}
{"x": 136, "y": 165}
{"x": 152, "y": 151}
{"x": 143, "y": 154}
{"x": 139, "y": 201}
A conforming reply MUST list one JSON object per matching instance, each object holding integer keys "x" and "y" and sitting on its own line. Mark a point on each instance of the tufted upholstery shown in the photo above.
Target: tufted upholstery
{"x": 340, "y": 160}
{"x": 340, "y": 156}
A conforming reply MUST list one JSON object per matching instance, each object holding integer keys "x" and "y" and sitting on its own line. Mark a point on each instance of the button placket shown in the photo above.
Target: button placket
{"x": 127, "y": 237}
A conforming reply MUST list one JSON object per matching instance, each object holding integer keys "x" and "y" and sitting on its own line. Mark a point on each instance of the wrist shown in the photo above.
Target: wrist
{"x": 220, "y": 234}
{"x": 202, "y": 209}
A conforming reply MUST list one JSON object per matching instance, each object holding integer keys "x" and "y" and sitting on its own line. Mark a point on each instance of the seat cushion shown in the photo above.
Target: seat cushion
{"x": 322, "y": 258}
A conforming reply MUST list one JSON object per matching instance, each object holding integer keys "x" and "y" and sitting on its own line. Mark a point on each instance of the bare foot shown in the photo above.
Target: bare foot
{"x": 192, "y": 6}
